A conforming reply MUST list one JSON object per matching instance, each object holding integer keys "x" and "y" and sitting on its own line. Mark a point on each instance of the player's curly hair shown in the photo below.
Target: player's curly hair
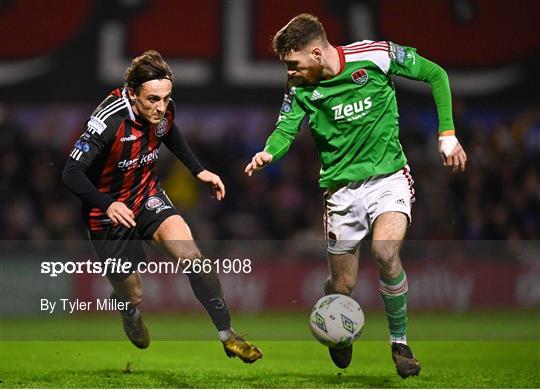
{"x": 148, "y": 66}
{"x": 297, "y": 34}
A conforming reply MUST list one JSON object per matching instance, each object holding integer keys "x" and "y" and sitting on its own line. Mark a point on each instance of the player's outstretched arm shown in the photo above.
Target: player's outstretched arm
{"x": 214, "y": 182}
{"x": 421, "y": 68}
{"x": 258, "y": 162}
{"x": 452, "y": 152}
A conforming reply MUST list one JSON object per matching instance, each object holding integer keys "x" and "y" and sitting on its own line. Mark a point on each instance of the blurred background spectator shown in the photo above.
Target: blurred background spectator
{"x": 228, "y": 89}
{"x": 497, "y": 198}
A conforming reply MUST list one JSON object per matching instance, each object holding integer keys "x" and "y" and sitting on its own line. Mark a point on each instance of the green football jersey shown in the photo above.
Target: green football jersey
{"x": 354, "y": 115}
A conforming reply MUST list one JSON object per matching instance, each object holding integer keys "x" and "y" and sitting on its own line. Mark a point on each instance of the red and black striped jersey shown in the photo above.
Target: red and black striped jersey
{"x": 118, "y": 152}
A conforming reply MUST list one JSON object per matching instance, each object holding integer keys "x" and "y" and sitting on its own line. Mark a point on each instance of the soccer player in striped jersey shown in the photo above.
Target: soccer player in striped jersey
{"x": 111, "y": 169}
{"x": 348, "y": 95}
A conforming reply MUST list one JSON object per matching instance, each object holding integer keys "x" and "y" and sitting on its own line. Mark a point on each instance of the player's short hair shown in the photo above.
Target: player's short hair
{"x": 297, "y": 34}
{"x": 148, "y": 66}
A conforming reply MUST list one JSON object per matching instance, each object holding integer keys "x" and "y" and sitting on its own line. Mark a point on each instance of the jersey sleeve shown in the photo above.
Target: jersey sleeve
{"x": 406, "y": 62}
{"x": 76, "y": 181}
{"x": 96, "y": 139}
{"x": 174, "y": 141}
{"x": 74, "y": 176}
{"x": 177, "y": 144}
{"x": 97, "y": 136}
{"x": 287, "y": 127}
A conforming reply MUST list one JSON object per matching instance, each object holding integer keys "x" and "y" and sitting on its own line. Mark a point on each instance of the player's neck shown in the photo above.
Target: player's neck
{"x": 138, "y": 117}
{"x": 135, "y": 110}
{"x": 332, "y": 62}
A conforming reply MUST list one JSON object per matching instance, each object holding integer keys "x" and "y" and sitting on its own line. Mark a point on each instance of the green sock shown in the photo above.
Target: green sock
{"x": 394, "y": 295}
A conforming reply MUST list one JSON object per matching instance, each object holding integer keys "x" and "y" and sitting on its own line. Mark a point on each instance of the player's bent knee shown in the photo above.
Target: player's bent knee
{"x": 174, "y": 228}
{"x": 385, "y": 253}
{"x": 389, "y": 265}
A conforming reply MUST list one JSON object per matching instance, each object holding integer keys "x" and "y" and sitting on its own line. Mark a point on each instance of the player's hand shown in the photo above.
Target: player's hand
{"x": 452, "y": 153}
{"x": 258, "y": 162}
{"x": 214, "y": 182}
{"x": 119, "y": 213}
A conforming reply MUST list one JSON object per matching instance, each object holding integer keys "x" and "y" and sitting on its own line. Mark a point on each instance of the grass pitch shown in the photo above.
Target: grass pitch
{"x": 482, "y": 351}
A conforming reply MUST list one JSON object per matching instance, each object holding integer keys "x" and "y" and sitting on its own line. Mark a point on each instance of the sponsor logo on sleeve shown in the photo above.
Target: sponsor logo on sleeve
{"x": 81, "y": 145}
{"x": 80, "y": 148}
{"x": 286, "y": 106}
{"x": 396, "y": 53}
{"x": 287, "y": 98}
{"x": 360, "y": 77}
{"x": 400, "y": 55}
{"x": 410, "y": 56}
{"x": 96, "y": 125}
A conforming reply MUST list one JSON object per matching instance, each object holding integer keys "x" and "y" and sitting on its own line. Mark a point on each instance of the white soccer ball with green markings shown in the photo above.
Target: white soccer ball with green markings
{"x": 337, "y": 320}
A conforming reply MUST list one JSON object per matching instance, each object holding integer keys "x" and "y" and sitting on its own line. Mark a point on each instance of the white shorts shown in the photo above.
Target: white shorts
{"x": 350, "y": 210}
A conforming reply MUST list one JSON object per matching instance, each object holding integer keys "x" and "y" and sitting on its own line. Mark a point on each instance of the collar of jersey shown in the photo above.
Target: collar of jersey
{"x": 140, "y": 122}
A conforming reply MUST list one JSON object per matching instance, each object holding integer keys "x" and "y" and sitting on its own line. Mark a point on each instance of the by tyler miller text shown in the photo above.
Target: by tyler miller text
{"x": 70, "y": 306}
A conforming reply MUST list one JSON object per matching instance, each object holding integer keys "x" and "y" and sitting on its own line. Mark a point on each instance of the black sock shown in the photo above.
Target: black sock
{"x": 130, "y": 311}
{"x": 207, "y": 289}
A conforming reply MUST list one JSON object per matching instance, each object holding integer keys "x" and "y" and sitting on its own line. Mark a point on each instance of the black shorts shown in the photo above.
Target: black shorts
{"x": 120, "y": 242}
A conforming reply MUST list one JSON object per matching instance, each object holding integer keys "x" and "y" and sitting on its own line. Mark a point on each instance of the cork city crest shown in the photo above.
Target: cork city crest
{"x": 360, "y": 76}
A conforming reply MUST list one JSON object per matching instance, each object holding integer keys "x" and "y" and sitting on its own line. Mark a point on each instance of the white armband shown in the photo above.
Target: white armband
{"x": 447, "y": 144}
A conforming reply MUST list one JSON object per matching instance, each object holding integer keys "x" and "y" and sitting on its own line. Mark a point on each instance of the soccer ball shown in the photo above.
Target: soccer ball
{"x": 336, "y": 320}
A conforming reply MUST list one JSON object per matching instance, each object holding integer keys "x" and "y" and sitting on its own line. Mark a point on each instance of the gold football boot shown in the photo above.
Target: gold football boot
{"x": 237, "y": 346}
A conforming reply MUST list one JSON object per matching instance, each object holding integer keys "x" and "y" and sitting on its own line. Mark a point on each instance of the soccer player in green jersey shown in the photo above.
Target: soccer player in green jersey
{"x": 348, "y": 95}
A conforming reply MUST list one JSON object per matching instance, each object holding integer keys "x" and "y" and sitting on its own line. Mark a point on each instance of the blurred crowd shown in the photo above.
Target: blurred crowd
{"x": 497, "y": 198}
